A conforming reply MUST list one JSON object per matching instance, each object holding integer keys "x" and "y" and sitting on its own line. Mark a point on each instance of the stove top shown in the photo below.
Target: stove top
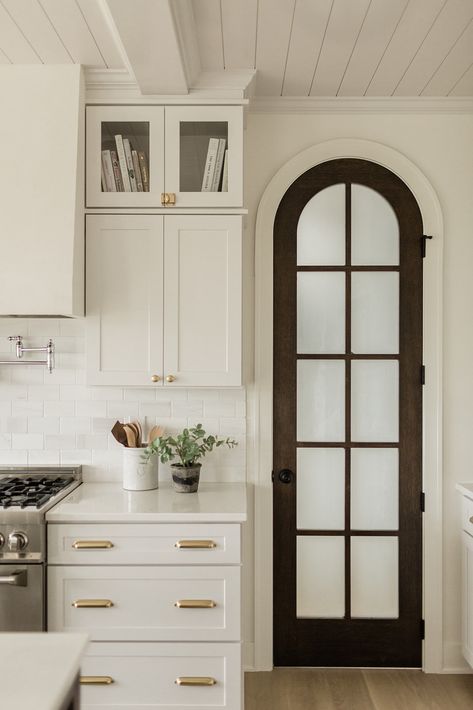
{"x": 30, "y": 491}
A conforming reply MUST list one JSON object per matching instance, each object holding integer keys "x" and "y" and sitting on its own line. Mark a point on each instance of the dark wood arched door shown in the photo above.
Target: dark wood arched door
{"x": 347, "y": 451}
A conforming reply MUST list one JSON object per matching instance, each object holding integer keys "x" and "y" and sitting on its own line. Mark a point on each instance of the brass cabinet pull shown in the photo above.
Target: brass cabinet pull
{"x": 195, "y": 604}
{"x": 92, "y": 604}
{"x": 92, "y": 545}
{"x": 168, "y": 198}
{"x": 155, "y": 378}
{"x": 195, "y": 544}
{"x": 170, "y": 378}
{"x": 195, "y": 680}
{"x": 96, "y": 680}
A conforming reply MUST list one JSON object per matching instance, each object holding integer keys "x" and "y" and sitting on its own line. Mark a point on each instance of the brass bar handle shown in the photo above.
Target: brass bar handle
{"x": 92, "y": 545}
{"x": 96, "y": 680}
{"x": 195, "y": 604}
{"x": 92, "y": 604}
{"x": 195, "y": 544}
{"x": 195, "y": 680}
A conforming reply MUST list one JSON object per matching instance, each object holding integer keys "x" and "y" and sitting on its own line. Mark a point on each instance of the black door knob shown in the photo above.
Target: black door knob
{"x": 285, "y": 476}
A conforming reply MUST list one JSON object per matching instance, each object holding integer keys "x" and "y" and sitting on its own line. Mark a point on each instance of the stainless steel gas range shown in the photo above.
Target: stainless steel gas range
{"x": 26, "y": 494}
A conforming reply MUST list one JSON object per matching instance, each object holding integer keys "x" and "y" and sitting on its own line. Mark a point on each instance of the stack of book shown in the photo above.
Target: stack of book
{"x": 215, "y": 178}
{"x": 124, "y": 169}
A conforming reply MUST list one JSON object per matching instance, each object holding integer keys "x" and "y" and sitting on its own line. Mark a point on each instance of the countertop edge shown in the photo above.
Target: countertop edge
{"x": 144, "y": 518}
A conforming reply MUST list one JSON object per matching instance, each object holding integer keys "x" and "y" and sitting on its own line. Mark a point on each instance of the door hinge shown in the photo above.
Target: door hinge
{"x": 424, "y": 238}
{"x": 272, "y": 476}
{"x": 422, "y": 502}
{"x": 422, "y": 629}
{"x": 422, "y": 374}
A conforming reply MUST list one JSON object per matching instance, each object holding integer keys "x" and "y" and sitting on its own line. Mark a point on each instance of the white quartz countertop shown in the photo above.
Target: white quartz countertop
{"x": 38, "y": 669}
{"x": 100, "y": 502}
{"x": 465, "y": 489}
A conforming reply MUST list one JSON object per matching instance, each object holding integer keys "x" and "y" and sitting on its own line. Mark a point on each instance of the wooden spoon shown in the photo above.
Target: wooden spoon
{"x": 135, "y": 429}
{"x": 119, "y": 433}
{"x": 139, "y": 439}
{"x": 155, "y": 433}
{"x": 130, "y": 436}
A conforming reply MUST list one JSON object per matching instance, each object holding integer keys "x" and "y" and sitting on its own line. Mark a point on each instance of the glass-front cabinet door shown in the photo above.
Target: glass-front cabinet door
{"x": 125, "y": 156}
{"x": 204, "y": 146}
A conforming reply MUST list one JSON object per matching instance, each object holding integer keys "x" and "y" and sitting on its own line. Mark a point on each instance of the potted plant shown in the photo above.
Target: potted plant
{"x": 189, "y": 447}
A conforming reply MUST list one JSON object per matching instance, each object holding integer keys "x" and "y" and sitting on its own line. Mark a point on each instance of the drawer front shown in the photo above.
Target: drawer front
{"x": 132, "y": 676}
{"x": 159, "y": 543}
{"x": 467, "y": 515}
{"x": 146, "y": 603}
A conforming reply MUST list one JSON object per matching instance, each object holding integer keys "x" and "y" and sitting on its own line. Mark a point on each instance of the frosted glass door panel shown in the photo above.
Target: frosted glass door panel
{"x": 374, "y": 577}
{"x": 374, "y": 228}
{"x": 321, "y": 229}
{"x": 375, "y": 312}
{"x": 375, "y": 400}
{"x": 320, "y": 577}
{"x": 321, "y": 400}
{"x": 374, "y": 489}
{"x": 320, "y": 489}
{"x": 320, "y": 312}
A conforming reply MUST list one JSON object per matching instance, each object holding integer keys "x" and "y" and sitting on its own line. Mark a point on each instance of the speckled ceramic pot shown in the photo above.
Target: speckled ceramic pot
{"x": 185, "y": 479}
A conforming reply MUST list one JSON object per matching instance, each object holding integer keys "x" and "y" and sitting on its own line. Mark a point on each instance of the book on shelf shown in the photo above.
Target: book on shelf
{"x": 129, "y": 164}
{"x": 219, "y": 164}
{"x": 209, "y": 168}
{"x": 116, "y": 171}
{"x": 136, "y": 168}
{"x": 225, "y": 173}
{"x": 108, "y": 179}
{"x": 144, "y": 170}
{"x": 122, "y": 162}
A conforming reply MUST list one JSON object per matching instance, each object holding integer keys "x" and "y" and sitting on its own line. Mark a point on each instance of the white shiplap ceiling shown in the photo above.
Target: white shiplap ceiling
{"x": 301, "y": 48}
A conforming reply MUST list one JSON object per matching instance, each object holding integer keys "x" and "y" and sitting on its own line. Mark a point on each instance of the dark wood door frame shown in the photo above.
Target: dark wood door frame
{"x": 340, "y": 640}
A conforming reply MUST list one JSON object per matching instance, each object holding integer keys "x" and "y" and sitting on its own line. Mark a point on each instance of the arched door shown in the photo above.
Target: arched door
{"x": 347, "y": 426}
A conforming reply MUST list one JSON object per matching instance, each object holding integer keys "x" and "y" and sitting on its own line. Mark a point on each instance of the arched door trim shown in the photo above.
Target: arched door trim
{"x": 262, "y": 391}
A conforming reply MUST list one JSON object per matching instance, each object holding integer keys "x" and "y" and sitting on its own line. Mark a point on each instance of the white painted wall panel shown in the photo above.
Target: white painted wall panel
{"x": 239, "y": 33}
{"x": 13, "y": 43}
{"x": 208, "y": 22}
{"x": 458, "y": 61}
{"x": 101, "y": 32}
{"x": 38, "y": 30}
{"x": 272, "y": 44}
{"x": 69, "y": 22}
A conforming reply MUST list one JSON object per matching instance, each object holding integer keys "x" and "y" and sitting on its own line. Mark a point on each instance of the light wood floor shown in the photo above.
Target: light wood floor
{"x": 341, "y": 689}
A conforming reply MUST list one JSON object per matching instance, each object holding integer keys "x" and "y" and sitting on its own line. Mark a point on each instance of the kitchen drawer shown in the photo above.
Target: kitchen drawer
{"x": 135, "y": 544}
{"x": 146, "y": 603}
{"x": 467, "y": 515}
{"x": 145, "y": 675}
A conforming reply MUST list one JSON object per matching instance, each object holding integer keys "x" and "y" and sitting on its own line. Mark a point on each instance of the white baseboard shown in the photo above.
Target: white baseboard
{"x": 248, "y": 654}
{"x": 453, "y": 661}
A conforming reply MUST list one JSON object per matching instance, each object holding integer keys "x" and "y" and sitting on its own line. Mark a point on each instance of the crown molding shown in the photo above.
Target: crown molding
{"x": 362, "y": 104}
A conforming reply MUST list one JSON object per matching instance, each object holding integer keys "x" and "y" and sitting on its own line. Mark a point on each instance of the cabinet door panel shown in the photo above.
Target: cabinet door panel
{"x": 202, "y": 286}
{"x": 467, "y": 598}
{"x": 124, "y": 299}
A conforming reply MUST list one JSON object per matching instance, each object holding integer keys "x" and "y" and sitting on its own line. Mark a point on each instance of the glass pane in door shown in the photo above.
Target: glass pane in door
{"x": 125, "y": 156}
{"x": 203, "y": 156}
{"x": 374, "y": 489}
{"x": 374, "y": 577}
{"x": 320, "y": 577}
{"x": 320, "y": 312}
{"x": 320, "y": 489}
{"x": 320, "y": 400}
{"x": 374, "y": 228}
{"x": 321, "y": 229}
{"x": 375, "y": 400}
{"x": 375, "y": 312}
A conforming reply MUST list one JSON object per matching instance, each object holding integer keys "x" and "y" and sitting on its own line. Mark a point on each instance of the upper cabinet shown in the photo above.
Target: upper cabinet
{"x": 173, "y": 156}
{"x": 41, "y": 184}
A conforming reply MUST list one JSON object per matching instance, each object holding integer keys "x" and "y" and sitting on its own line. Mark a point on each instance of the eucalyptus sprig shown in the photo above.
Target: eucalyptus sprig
{"x": 189, "y": 446}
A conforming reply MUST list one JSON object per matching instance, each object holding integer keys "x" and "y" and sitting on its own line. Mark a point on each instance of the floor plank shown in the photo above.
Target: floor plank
{"x": 354, "y": 689}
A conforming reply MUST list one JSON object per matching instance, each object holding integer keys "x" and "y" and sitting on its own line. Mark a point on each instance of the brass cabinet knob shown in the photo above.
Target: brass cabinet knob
{"x": 155, "y": 378}
{"x": 170, "y": 378}
{"x": 168, "y": 198}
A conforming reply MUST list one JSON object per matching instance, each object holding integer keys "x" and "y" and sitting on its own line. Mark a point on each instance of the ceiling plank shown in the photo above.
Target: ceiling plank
{"x": 70, "y": 25}
{"x": 239, "y": 33}
{"x": 452, "y": 69}
{"x": 3, "y": 58}
{"x": 345, "y": 23}
{"x": 208, "y": 22}
{"x": 464, "y": 87}
{"x": 272, "y": 43}
{"x": 13, "y": 42}
{"x": 100, "y": 30}
{"x": 378, "y": 28}
{"x": 411, "y": 31}
{"x": 308, "y": 30}
{"x": 448, "y": 27}
{"x": 151, "y": 41}
{"x": 35, "y": 25}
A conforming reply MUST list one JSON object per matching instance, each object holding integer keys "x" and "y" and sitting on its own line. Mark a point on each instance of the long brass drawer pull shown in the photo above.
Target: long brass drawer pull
{"x": 195, "y": 544}
{"x": 195, "y": 604}
{"x": 92, "y": 603}
{"x": 92, "y": 545}
{"x": 195, "y": 680}
{"x": 96, "y": 680}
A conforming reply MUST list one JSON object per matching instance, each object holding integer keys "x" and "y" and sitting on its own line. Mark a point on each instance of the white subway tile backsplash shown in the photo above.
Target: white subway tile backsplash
{"x": 43, "y": 327}
{"x": 92, "y": 441}
{"x": 25, "y": 407}
{"x": 13, "y": 458}
{"x": 42, "y": 392}
{"x": 5, "y": 408}
{"x": 155, "y": 409}
{"x": 61, "y": 376}
{"x": 14, "y": 425}
{"x": 59, "y": 441}
{"x": 27, "y": 441}
{"x": 123, "y": 410}
{"x": 75, "y": 392}
{"x": 89, "y": 408}
{"x": 75, "y": 425}
{"x": 72, "y": 326}
{"x": 75, "y": 457}
{"x": 5, "y": 441}
{"x": 221, "y": 408}
{"x": 191, "y": 409}
{"x": 101, "y": 425}
{"x": 27, "y": 375}
{"x": 44, "y": 458}
{"x": 58, "y": 408}
{"x": 13, "y": 392}
{"x": 134, "y": 394}
{"x": 106, "y": 393}
{"x": 43, "y": 425}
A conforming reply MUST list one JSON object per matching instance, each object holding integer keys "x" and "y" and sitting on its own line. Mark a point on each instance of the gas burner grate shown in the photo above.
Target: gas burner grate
{"x": 30, "y": 492}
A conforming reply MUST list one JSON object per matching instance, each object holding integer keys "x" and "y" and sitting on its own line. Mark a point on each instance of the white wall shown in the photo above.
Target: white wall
{"x": 441, "y": 147}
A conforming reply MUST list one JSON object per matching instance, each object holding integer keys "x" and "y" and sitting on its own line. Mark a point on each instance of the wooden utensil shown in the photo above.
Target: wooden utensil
{"x": 119, "y": 433}
{"x": 134, "y": 427}
{"x": 155, "y": 433}
{"x": 130, "y": 436}
{"x": 140, "y": 433}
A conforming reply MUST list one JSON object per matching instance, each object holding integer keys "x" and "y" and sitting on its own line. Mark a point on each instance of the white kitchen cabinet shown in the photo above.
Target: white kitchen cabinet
{"x": 174, "y": 141}
{"x": 466, "y": 489}
{"x": 164, "y": 300}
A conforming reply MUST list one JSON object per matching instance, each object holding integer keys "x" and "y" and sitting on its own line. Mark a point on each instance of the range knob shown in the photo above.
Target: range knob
{"x": 17, "y": 541}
